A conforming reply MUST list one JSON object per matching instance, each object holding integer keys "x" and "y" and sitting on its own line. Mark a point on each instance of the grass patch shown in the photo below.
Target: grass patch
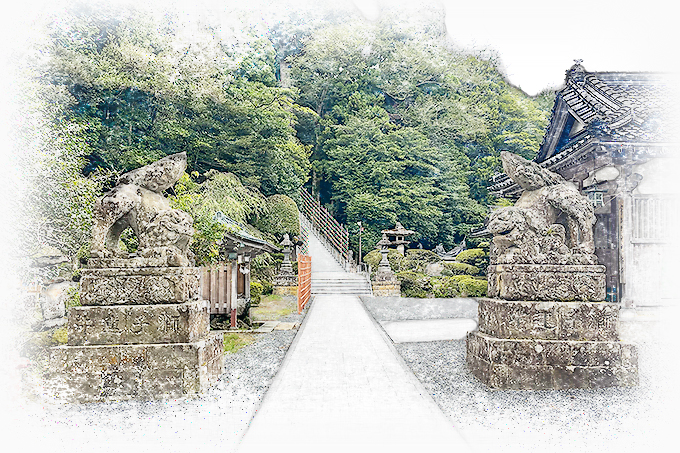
{"x": 235, "y": 341}
{"x": 273, "y": 307}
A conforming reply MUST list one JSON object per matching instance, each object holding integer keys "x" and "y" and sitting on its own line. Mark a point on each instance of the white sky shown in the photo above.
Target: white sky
{"x": 537, "y": 40}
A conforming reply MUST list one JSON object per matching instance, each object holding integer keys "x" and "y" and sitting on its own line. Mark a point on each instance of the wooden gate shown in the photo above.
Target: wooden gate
{"x": 304, "y": 291}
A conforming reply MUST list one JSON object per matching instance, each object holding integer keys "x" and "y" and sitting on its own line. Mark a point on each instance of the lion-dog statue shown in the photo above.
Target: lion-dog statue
{"x": 137, "y": 202}
{"x": 551, "y": 223}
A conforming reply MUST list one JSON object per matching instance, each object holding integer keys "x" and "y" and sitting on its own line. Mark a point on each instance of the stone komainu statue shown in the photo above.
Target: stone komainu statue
{"x": 137, "y": 202}
{"x": 551, "y": 223}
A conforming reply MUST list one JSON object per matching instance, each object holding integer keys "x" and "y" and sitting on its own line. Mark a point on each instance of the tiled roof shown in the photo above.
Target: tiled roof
{"x": 612, "y": 107}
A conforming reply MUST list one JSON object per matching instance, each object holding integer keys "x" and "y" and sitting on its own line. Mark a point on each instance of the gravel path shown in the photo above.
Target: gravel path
{"x": 214, "y": 421}
{"x": 613, "y": 419}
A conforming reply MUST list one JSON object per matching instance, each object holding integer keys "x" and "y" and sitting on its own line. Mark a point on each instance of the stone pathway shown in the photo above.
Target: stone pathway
{"x": 342, "y": 386}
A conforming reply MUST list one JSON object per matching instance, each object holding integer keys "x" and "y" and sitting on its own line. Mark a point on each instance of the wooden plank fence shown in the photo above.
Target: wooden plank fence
{"x": 219, "y": 290}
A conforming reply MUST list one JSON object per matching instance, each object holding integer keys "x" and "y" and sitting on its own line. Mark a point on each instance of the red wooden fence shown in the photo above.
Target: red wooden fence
{"x": 304, "y": 291}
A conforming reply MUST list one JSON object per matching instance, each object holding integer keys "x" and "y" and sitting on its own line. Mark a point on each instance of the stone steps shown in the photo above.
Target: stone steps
{"x": 341, "y": 285}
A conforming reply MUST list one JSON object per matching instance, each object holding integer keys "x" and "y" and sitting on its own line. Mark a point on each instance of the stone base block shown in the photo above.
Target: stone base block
{"x": 547, "y": 282}
{"x": 285, "y": 290}
{"x": 146, "y": 372}
{"x": 549, "y": 320}
{"x": 386, "y": 289}
{"x": 139, "y": 286}
{"x": 523, "y": 364}
{"x": 138, "y": 324}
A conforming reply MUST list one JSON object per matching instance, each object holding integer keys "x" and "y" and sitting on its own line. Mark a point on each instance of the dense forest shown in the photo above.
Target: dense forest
{"x": 382, "y": 121}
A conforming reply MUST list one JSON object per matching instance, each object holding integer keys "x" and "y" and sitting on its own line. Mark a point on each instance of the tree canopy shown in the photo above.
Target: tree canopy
{"x": 382, "y": 121}
{"x": 408, "y": 129}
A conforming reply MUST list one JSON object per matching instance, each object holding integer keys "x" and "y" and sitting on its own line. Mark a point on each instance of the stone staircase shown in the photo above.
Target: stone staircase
{"x": 340, "y": 283}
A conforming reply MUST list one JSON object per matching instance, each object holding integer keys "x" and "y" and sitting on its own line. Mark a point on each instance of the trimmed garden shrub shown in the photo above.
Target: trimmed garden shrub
{"x": 417, "y": 260}
{"x": 256, "y": 290}
{"x": 394, "y": 257}
{"x": 459, "y": 286}
{"x": 474, "y": 257}
{"x": 414, "y": 284}
{"x": 461, "y": 269}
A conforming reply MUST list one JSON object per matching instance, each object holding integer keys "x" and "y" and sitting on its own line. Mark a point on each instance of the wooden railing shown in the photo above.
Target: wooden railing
{"x": 325, "y": 224}
{"x": 304, "y": 291}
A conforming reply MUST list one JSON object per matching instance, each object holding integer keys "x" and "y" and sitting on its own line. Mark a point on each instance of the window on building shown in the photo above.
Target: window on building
{"x": 596, "y": 198}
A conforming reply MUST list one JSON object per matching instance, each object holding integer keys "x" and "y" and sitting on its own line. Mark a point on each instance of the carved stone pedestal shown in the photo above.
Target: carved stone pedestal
{"x": 536, "y": 345}
{"x": 141, "y": 333}
{"x": 547, "y": 282}
{"x": 386, "y": 288}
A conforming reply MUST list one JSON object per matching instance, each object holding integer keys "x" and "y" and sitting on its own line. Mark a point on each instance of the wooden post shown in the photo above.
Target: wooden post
{"x": 221, "y": 296}
{"x": 234, "y": 291}
{"x": 213, "y": 289}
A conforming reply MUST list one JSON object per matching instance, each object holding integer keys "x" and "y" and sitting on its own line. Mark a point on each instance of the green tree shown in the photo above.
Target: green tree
{"x": 142, "y": 88}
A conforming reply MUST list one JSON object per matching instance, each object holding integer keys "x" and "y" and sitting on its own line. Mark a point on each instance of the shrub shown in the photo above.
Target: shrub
{"x": 474, "y": 257}
{"x": 417, "y": 260}
{"x": 445, "y": 287}
{"x": 414, "y": 284}
{"x": 263, "y": 268}
{"x": 373, "y": 259}
{"x": 282, "y": 216}
{"x": 459, "y": 286}
{"x": 461, "y": 269}
{"x": 267, "y": 287}
{"x": 256, "y": 290}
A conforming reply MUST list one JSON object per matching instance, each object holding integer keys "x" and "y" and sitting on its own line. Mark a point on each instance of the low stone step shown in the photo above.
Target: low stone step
{"x": 267, "y": 327}
{"x": 341, "y": 290}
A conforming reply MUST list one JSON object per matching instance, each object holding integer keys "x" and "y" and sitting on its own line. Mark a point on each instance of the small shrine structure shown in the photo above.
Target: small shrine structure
{"x": 226, "y": 286}
{"x": 397, "y": 237}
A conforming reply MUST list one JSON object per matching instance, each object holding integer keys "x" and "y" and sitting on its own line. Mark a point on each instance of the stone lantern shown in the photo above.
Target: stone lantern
{"x": 397, "y": 237}
{"x": 285, "y": 282}
{"x": 384, "y": 282}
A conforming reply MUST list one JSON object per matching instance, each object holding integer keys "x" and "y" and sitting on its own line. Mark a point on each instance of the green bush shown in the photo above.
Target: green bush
{"x": 256, "y": 290}
{"x": 414, "y": 284}
{"x": 445, "y": 287}
{"x": 263, "y": 269}
{"x": 267, "y": 287}
{"x": 373, "y": 258}
{"x": 475, "y": 257}
{"x": 282, "y": 216}
{"x": 461, "y": 269}
{"x": 459, "y": 286}
{"x": 417, "y": 260}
